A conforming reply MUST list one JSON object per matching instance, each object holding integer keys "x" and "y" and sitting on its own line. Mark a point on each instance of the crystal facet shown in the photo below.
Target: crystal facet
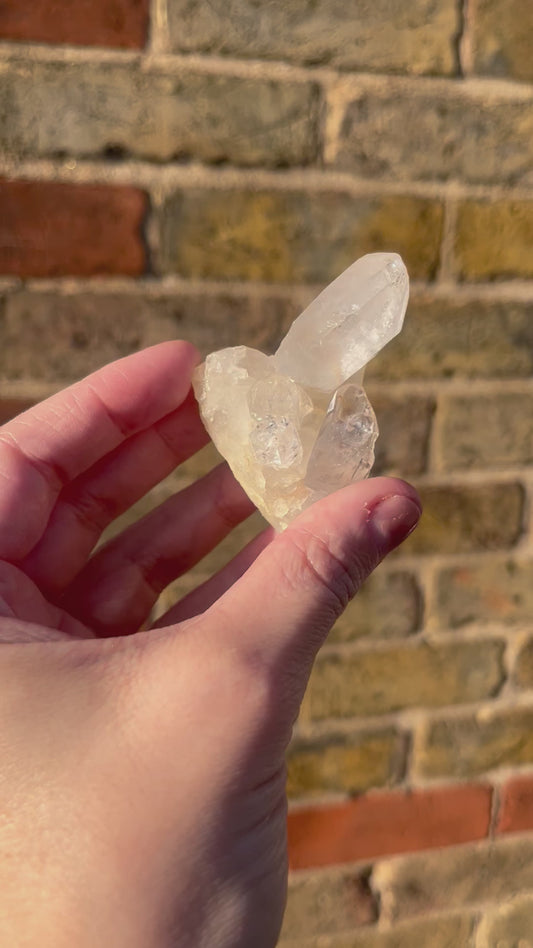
{"x": 297, "y": 425}
{"x": 347, "y": 324}
{"x": 344, "y": 449}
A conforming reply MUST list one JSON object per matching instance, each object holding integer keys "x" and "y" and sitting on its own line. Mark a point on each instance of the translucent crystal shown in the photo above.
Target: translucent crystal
{"x": 347, "y": 324}
{"x": 344, "y": 449}
{"x": 297, "y": 425}
{"x": 277, "y": 407}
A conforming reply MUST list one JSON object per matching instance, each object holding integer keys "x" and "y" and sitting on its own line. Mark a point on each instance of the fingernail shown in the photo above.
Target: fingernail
{"x": 393, "y": 519}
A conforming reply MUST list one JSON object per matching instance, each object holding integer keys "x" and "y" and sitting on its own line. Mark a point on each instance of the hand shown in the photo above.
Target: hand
{"x": 142, "y": 782}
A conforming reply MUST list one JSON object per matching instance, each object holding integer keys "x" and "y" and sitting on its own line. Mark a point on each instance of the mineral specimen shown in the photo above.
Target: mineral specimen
{"x": 297, "y": 425}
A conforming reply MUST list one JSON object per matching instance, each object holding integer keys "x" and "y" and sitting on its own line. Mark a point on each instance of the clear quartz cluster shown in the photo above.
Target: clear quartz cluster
{"x": 298, "y": 425}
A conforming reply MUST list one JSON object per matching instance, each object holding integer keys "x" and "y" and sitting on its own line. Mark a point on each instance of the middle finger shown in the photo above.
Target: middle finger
{"x": 96, "y": 498}
{"x": 115, "y": 593}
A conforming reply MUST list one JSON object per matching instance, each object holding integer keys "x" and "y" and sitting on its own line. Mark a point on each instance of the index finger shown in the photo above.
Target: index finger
{"x": 47, "y": 446}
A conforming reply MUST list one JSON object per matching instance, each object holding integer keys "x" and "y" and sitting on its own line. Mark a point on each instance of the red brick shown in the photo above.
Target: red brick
{"x": 92, "y": 23}
{"x": 49, "y": 228}
{"x": 9, "y": 407}
{"x": 387, "y": 824}
{"x": 516, "y": 806}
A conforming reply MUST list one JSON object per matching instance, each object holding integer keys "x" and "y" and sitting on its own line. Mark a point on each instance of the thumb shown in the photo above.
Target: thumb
{"x": 283, "y": 607}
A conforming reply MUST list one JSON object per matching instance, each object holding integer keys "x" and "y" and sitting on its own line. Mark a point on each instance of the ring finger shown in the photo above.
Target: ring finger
{"x": 117, "y": 589}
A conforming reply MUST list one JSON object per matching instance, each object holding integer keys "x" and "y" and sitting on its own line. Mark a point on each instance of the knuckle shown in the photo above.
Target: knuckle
{"x": 93, "y": 512}
{"x": 315, "y": 562}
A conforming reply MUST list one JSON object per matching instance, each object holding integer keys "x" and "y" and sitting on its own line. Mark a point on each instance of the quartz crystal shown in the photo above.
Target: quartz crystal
{"x": 298, "y": 425}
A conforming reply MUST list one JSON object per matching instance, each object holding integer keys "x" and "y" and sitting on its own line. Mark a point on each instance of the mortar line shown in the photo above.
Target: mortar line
{"x": 445, "y": 782}
{"x": 506, "y": 291}
{"x": 367, "y": 645}
{"x": 410, "y": 719}
{"x": 436, "y": 477}
{"x": 168, "y": 177}
{"x": 157, "y": 56}
{"x": 158, "y": 44}
{"x": 459, "y": 36}
{"x": 466, "y": 44}
{"x": 434, "y": 436}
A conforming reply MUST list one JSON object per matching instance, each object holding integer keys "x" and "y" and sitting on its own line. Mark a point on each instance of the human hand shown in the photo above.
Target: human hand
{"x": 142, "y": 788}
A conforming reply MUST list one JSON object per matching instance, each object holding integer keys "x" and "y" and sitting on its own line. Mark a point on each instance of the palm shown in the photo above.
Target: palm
{"x": 84, "y": 457}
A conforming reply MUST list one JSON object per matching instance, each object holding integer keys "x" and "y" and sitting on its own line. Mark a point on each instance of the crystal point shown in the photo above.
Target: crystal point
{"x": 297, "y": 425}
{"x": 347, "y": 324}
{"x": 344, "y": 449}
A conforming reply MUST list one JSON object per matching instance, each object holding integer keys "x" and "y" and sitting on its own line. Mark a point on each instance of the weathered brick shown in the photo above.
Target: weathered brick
{"x": 96, "y": 23}
{"x": 279, "y": 235}
{"x": 381, "y": 36}
{"x": 453, "y": 878}
{"x": 451, "y": 931}
{"x": 388, "y": 606}
{"x": 523, "y": 668}
{"x": 124, "y": 110}
{"x": 338, "y": 900}
{"x": 465, "y": 519}
{"x": 86, "y": 330}
{"x": 404, "y": 423}
{"x": 403, "y": 676}
{"x": 491, "y": 591}
{"x": 515, "y": 812}
{"x": 493, "y": 239}
{"x": 489, "y": 430}
{"x": 473, "y": 744}
{"x": 50, "y": 229}
{"x": 508, "y": 925}
{"x": 502, "y": 38}
{"x": 433, "y": 132}
{"x": 450, "y": 337}
{"x": 345, "y": 763}
{"x": 387, "y": 823}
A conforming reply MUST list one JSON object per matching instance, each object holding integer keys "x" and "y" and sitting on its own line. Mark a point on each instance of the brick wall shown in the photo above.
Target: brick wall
{"x": 197, "y": 169}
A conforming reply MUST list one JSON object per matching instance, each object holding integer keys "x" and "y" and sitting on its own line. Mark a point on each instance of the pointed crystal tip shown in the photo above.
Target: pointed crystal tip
{"x": 347, "y": 324}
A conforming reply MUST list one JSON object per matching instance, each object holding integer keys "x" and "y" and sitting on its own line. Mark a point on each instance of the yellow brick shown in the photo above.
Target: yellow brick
{"x": 293, "y": 236}
{"x": 503, "y": 38}
{"x": 494, "y": 239}
{"x": 349, "y": 764}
